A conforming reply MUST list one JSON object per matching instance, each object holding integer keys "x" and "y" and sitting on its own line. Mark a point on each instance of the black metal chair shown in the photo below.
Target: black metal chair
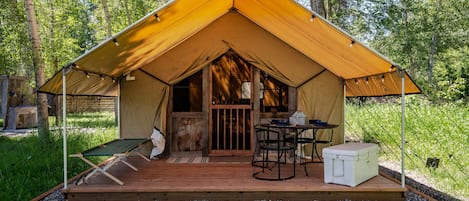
{"x": 268, "y": 142}
{"x": 327, "y": 141}
{"x": 302, "y": 141}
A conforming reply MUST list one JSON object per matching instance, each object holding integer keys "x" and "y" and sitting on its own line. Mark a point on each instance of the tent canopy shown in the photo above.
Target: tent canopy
{"x": 282, "y": 38}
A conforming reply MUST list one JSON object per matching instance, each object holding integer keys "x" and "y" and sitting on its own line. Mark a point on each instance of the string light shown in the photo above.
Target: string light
{"x": 366, "y": 80}
{"x": 87, "y": 75}
{"x": 113, "y": 80}
{"x": 382, "y": 78}
{"x": 74, "y": 65}
{"x": 312, "y": 17}
{"x": 102, "y": 77}
{"x": 356, "y": 81}
{"x": 157, "y": 17}
{"x": 352, "y": 43}
{"x": 115, "y": 41}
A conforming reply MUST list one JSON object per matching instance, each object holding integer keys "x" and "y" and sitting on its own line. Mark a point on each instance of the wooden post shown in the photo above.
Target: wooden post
{"x": 206, "y": 101}
{"x": 292, "y": 100}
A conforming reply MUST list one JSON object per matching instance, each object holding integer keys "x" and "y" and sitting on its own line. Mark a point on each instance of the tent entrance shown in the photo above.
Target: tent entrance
{"x": 230, "y": 122}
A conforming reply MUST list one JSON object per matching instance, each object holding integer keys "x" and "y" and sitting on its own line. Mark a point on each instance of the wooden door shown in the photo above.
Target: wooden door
{"x": 230, "y": 121}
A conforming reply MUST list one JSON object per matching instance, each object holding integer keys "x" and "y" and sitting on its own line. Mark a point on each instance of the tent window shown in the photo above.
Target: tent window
{"x": 187, "y": 94}
{"x": 275, "y": 96}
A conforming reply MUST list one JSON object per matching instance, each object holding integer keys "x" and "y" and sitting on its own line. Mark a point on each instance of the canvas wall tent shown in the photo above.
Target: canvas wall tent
{"x": 282, "y": 38}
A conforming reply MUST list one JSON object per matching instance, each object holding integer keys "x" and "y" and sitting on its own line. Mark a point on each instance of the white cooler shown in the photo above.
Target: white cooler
{"x": 350, "y": 164}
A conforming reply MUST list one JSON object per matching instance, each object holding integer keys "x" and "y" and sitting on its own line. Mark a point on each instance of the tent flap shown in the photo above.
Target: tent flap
{"x": 81, "y": 83}
{"x": 143, "y": 105}
{"x": 323, "y": 98}
{"x": 380, "y": 85}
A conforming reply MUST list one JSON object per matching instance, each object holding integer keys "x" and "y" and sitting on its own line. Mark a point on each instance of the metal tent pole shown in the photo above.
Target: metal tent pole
{"x": 345, "y": 104}
{"x": 402, "y": 74}
{"x": 118, "y": 109}
{"x": 64, "y": 119}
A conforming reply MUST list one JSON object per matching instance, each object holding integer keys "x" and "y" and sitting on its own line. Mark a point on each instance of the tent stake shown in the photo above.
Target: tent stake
{"x": 402, "y": 74}
{"x": 64, "y": 119}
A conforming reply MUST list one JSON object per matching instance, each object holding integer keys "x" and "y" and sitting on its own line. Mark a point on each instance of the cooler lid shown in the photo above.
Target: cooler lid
{"x": 351, "y": 149}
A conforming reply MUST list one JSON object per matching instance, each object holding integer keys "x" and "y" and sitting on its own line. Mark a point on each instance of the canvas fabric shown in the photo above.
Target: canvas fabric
{"x": 277, "y": 37}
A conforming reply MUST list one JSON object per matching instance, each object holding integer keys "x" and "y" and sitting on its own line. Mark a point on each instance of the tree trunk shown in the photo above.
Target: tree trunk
{"x": 431, "y": 58}
{"x": 408, "y": 46}
{"x": 318, "y": 7}
{"x": 107, "y": 17}
{"x": 127, "y": 12}
{"x": 55, "y": 60}
{"x": 38, "y": 63}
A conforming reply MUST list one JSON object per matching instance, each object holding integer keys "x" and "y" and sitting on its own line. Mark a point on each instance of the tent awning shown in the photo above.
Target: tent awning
{"x": 161, "y": 33}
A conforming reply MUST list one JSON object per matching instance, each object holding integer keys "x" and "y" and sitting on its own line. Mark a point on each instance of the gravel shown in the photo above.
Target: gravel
{"x": 55, "y": 196}
{"x": 418, "y": 186}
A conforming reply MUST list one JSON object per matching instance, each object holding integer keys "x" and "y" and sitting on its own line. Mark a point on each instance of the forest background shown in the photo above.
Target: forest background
{"x": 429, "y": 38}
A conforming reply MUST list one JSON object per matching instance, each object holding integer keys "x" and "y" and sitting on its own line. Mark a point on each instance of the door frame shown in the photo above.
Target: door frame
{"x": 250, "y": 106}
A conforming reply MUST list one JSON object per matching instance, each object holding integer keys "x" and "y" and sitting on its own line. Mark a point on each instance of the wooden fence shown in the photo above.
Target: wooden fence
{"x": 82, "y": 104}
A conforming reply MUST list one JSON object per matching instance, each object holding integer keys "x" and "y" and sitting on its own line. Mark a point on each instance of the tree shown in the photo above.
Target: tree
{"x": 127, "y": 12}
{"x": 318, "y": 7}
{"x": 13, "y": 40}
{"x": 108, "y": 18}
{"x": 38, "y": 63}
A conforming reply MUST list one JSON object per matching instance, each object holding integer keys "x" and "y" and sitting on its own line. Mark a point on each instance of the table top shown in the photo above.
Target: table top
{"x": 306, "y": 126}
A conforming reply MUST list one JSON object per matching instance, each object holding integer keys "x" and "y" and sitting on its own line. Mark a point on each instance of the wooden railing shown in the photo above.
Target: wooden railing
{"x": 231, "y": 129}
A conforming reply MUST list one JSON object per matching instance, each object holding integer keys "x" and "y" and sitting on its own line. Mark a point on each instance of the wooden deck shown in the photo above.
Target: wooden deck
{"x": 159, "y": 180}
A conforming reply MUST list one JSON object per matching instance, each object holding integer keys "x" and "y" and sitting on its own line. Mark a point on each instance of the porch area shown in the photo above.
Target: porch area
{"x": 222, "y": 180}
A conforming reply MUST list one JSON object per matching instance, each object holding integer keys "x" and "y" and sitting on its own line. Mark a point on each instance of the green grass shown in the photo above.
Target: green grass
{"x": 29, "y": 167}
{"x": 439, "y": 131}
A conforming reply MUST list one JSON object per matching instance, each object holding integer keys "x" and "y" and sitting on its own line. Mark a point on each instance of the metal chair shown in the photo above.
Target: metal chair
{"x": 262, "y": 142}
{"x": 265, "y": 145}
{"x": 327, "y": 141}
{"x": 302, "y": 141}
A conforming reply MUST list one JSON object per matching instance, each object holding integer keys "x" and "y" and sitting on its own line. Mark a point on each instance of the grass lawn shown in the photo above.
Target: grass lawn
{"x": 29, "y": 168}
{"x": 432, "y": 131}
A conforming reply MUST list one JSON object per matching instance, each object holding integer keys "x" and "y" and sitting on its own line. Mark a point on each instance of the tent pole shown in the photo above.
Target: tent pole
{"x": 402, "y": 72}
{"x": 118, "y": 110}
{"x": 345, "y": 104}
{"x": 64, "y": 119}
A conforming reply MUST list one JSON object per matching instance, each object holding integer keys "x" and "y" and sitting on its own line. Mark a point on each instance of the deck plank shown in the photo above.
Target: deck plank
{"x": 222, "y": 181}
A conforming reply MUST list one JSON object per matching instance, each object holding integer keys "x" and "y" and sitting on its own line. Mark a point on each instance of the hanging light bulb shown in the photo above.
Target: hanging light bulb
{"x": 312, "y": 17}
{"x": 366, "y": 80}
{"x": 352, "y": 43}
{"x": 157, "y": 17}
{"x": 87, "y": 75}
{"x": 102, "y": 77}
{"x": 115, "y": 41}
{"x": 382, "y": 78}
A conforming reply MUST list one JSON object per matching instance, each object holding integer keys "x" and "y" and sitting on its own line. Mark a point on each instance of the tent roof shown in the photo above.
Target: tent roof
{"x": 160, "y": 33}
